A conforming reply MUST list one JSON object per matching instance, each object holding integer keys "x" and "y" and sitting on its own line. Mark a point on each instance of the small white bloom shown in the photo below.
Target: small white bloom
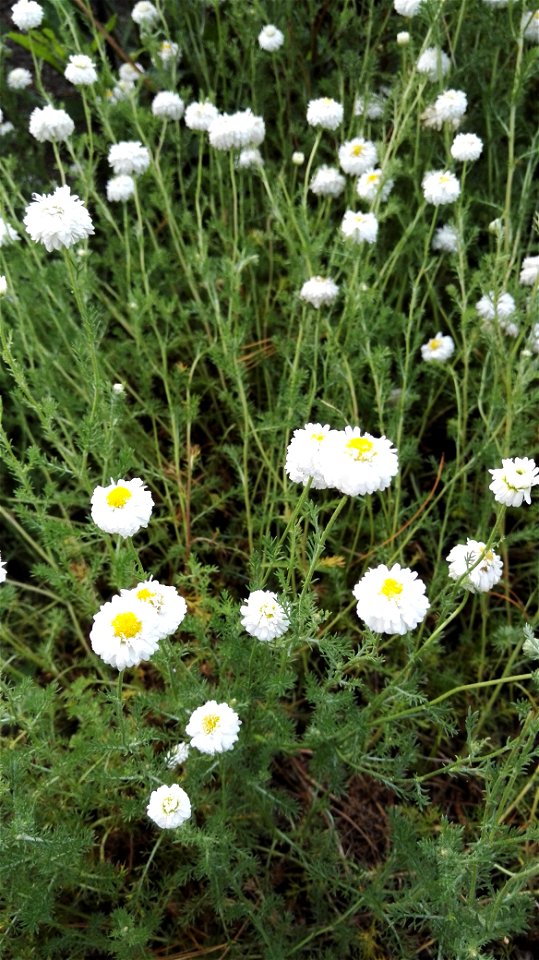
{"x": 168, "y": 105}
{"x": 357, "y": 463}
{"x": 120, "y": 188}
{"x": 80, "y": 70}
{"x": 3, "y": 573}
{"x": 200, "y": 115}
{"x": 213, "y": 728}
{"x": 433, "y": 63}
{"x": 130, "y": 72}
{"x": 513, "y": 481}
{"x": 529, "y": 271}
{"x": 48, "y": 124}
{"x": 391, "y": 600}
{"x": 58, "y": 219}
{"x": 498, "y": 308}
{"x": 466, "y": 146}
{"x": 529, "y": 24}
{"x": 446, "y": 239}
{"x": 27, "y": 14}
{"x": 124, "y": 632}
{"x": 451, "y": 105}
{"x": 531, "y": 644}
{"x": 121, "y": 91}
{"x": 144, "y": 13}
{"x": 440, "y": 186}
{"x": 118, "y": 389}
{"x": 298, "y": 158}
{"x": 485, "y": 573}
{"x": 124, "y": 507}
{"x": 327, "y": 182}
{"x": 263, "y": 617}
{"x": 7, "y": 233}
{"x": 403, "y": 38}
{"x": 319, "y": 291}
{"x": 407, "y": 8}
{"x": 371, "y": 106}
{"x": 6, "y": 128}
{"x": 533, "y": 339}
{"x": 168, "y": 604}
{"x": 304, "y": 455}
{"x": 360, "y": 227}
{"x": 177, "y": 755}
{"x": 439, "y": 348}
{"x": 169, "y": 51}
{"x": 357, "y": 155}
{"x": 325, "y": 112}
{"x": 169, "y": 807}
{"x": 250, "y": 158}
{"x": 270, "y": 38}
{"x": 236, "y": 130}
{"x": 370, "y": 185}
{"x": 19, "y": 78}
{"x": 3, "y": 286}
{"x": 129, "y": 156}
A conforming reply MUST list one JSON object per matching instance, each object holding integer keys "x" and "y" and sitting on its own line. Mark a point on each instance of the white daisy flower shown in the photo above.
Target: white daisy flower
{"x": 319, "y": 291}
{"x": 263, "y": 616}
{"x": 213, "y": 728}
{"x": 168, "y": 105}
{"x": 168, "y": 604}
{"x": 433, "y": 63}
{"x": 3, "y": 573}
{"x": 169, "y": 51}
{"x": 304, "y": 457}
{"x": 144, "y": 13}
{"x": 3, "y": 285}
{"x": 357, "y": 155}
{"x": 529, "y": 271}
{"x": 120, "y": 188}
{"x": 529, "y": 24}
{"x": 407, "y": 8}
{"x": 360, "y": 227}
{"x": 124, "y": 507}
{"x": 6, "y": 128}
{"x": 249, "y": 159}
{"x": 169, "y": 807}
{"x": 446, "y": 239}
{"x": 19, "y": 78}
{"x": 357, "y": 463}
{"x": 327, "y": 182}
{"x": 438, "y": 348}
{"x": 371, "y": 106}
{"x": 440, "y": 186}
{"x": 58, "y": 219}
{"x": 125, "y": 632}
{"x": 50, "y": 125}
{"x": 7, "y": 233}
{"x": 177, "y": 755}
{"x": 451, "y": 105}
{"x": 200, "y": 115}
{"x": 27, "y": 14}
{"x": 130, "y": 72}
{"x": 391, "y": 600}
{"x": 121, "y": 91}
{"x": 498, "y": 308}
{"x": 236, "y": 130}
{"x": 484, "y": 574}
{"x": 270, "y": 38}
{"x": 325, "y": 112}
{"x": 370, "y": 185}
{"x": 129, "y": 156}
{"x": 513, "y": 481}
{"x": 80, "y": 70}
{"x": 466, "y": 146}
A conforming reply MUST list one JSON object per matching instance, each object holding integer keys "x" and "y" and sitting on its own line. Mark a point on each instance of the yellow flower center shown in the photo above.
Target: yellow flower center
{"x": 119, "y": 496}
{"x": 373, "y": 177}
{"x": 126, "y": 625}
{"x": 444, "y": 178}
{"x": 170, "y": 804}
{"x": 435, "y": 343}
{"x": 210, "y": 722}
{"x": 391, "y": 588}
{"x": 361, "y": 446}
{"x": 145, "y": 594}
{"x": 267, "y": 611}
{"x": 357, "y": 149}
{"x": 317, "y": 436}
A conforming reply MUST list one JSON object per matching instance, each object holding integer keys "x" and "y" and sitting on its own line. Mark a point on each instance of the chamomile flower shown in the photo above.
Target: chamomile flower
{"x": 130, "y": 72}
{"x": 370, "y": 185}
{"x": 7, "y": 233}
{"x": 451, "y": 105}
{"x": 325, "y": 112}
{"x": 446, "y": 239}
{"x": 371, "y": 106}
{"x": 263, "y": 617}
{"x": 360, "y": 227}
{"x": 270, "y": 38}
{"x": 236, "y": 130}
{"x": 129, "y": 156}
{"x": 177, "y": 755}
{"x": 319, "y": 291}
{"x": 357, "y": 463}
{"x": 168, "y": 51}
{"x": 529, "y": 271}
{"x": 466, "y": 147}
{"x": 298, "y": 158}
{"x": 440, "y": 187}
{"x": 407, "y": 8}
{"x": 3, "y": 573}
{"x": 3, "y": 285}
{"x": 498, "y": 308}
{"x": 168, "y": 105}
{"x": 327, "y": 182}
{"x": 144, "y": 14}
{"x": 169, "y": 807}
{"x": 80, "y": 70}
{"x": 250, "y": 158}
{"x": 58, "y": 219}
{"x": 27, "y": 14}
{"x": 125, "y": 632}
{"x": 438, "y": 348}
{"x": 433, "y": 63}
{"x": 168, "y": 604}
{"x": 304, "y": 455}
{"x": 513, "y": 481}
{"x": 487, "y": 566}
{"x": 124, "y": 507}
{"x": 47, "y": 124}
{"x": 19, "y": 78}
{"x": 120, "y": 188}
{"x": 357, "y": 155}
{"x": 213, "y": 727}
{"x": 200, "y": 115}
{"x": 391, "y": 600}
{"x": 403, "y": 38}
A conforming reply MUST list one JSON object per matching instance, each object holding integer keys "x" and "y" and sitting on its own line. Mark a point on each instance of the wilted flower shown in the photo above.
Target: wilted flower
{"x": 327, "y": 182}
{"x": 304, "y": 455}
{"x": 129, "y": 156}
{"x": 144, "y": 13}
{"x": 391, "y": 600}
{"x": 319, "y": 291}
{"x": 49, "y": 124}
{"x": 466, "y": 146}
{"x": 124, "y": 632}
{"x": 270, "y": 38}
{"x": 7, "y": 233}
{"x": 370, "y": 185}
{"x": 80, "y": 70}
{"x": 167, "y": 603}
{"x": 213, "y": 728}
{"x": 513, "y": 481}
{"x": 529, "y": 271}
{"x": 169, "y": 807}
{"x": 200, "y": 115}
{"x": 58, "y": 219}
{"x": 169, "y": 105}
{"x": 446, "y": 239}
{"x": 120, "y": 188}
{"x": 487, "y": 566}
{"x": 263, "y": 617}
{"x": 19, "y": 78}
{"x": 433, "y": 63}
{"x": 27, "y": 14}
{"x": 439, "y": 348}
{"x": 325, "y": 112}
{"x": 440, "y": 186}
{"x": 360, "y": 227}
{"x": 124, "y": 507}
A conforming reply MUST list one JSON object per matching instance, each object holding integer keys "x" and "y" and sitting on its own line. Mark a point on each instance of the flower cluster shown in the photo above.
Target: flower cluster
{"x": 349, "y": 460}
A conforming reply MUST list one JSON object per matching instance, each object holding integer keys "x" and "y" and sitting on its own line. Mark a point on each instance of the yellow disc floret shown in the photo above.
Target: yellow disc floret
{"x": 391, "y": 588}
{"x": 361, "y": 447}
{"x": 119, "y": 496}
{"x": 170, "y": 805}
{"x": 317, "y": 436}
{"x": 210, "y": 722}
{"x": 126, "y": 625}
{"x": 435, "y": 343}
{"x": 357, "y": 149}
{"x": 145, "y": 594}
